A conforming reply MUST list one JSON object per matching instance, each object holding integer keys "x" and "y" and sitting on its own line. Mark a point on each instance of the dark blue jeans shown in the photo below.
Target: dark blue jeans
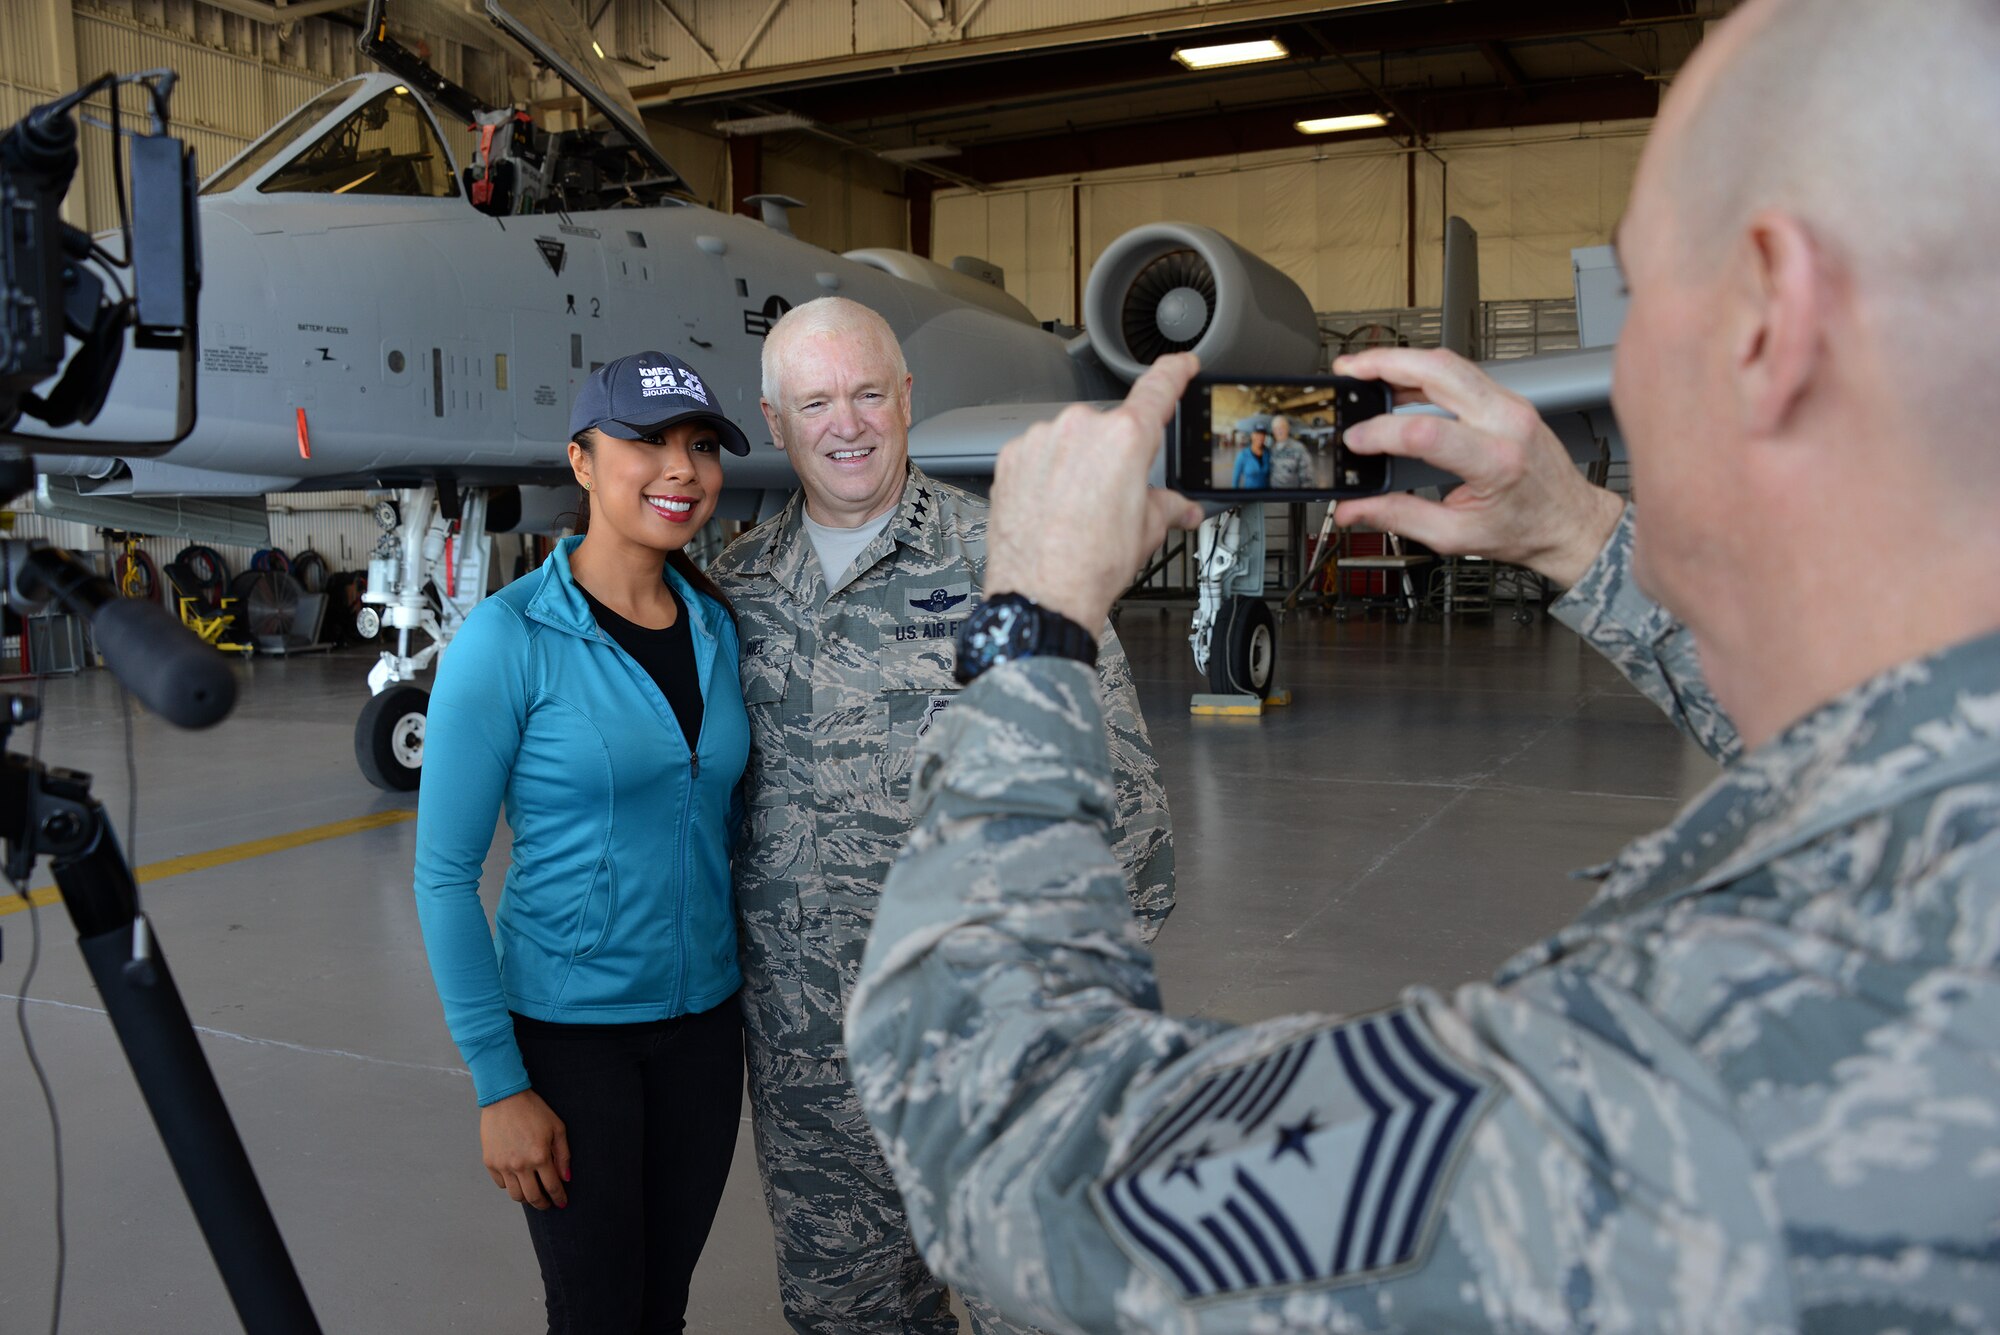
{"x": 651, "y": 1112}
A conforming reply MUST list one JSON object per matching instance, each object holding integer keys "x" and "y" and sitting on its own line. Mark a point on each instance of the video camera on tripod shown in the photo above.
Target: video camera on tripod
{"x": 55, "y": 285}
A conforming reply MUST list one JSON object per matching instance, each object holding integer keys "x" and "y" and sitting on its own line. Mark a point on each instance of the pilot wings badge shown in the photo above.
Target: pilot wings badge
{"x": 1322, "y": 1162}
{"x": 939, "y": 601}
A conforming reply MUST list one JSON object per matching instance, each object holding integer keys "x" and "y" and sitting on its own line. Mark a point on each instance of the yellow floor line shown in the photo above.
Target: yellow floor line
{"x": 222, "y": 857}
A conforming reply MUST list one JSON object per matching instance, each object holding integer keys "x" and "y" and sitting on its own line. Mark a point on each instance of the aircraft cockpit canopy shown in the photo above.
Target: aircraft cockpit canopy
{"x": 385, "y": 146}
{"x": 503, "y": 160}
{"x": 279, "y": 140}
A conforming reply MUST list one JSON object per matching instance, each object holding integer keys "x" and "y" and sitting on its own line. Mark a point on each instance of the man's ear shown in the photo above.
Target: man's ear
{"x": 771, "y": 423}
{"x": 1778, "y": 353}
{"x": 909, "y": 382}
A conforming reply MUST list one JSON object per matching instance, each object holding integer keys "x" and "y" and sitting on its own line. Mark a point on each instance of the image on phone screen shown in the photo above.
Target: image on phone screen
{"x": 1286, "y": 438}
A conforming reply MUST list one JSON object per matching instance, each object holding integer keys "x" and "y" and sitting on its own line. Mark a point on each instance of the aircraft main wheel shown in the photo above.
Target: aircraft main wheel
{"x": 1243, "y": 654}
{"x": 389, "y": 738}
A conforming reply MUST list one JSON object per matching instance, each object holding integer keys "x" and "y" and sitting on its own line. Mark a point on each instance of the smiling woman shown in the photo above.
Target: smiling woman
{"x": 598, "y": 700}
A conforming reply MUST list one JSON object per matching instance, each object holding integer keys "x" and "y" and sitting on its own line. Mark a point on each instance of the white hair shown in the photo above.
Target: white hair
{"x": 826, "y": 315}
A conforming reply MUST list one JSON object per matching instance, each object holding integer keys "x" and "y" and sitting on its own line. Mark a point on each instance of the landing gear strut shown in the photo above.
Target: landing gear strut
{"x": 427, "y": 574}
{"x": 1234, "y": 636}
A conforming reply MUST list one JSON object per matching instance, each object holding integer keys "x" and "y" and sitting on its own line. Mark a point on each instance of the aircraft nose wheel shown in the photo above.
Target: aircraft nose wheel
{"x": 1244, "y": 654}
{"x": 389, "y": 738}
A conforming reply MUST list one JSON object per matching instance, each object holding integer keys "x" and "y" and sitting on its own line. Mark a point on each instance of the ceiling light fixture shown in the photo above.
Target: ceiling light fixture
{"x": 920, "y": 153}
{"x": 1230, "y": 53}
{"x": 771, "y": 124}
{"x": 599, "y": 50}
{"x": 1367, "y": 120}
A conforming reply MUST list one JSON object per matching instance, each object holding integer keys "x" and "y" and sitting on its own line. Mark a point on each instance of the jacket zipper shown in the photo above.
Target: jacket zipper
{"x": 687, "y": 807}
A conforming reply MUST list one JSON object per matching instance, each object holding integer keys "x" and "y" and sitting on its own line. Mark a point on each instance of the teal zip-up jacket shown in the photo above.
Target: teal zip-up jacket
{"x": 617, "y": 906}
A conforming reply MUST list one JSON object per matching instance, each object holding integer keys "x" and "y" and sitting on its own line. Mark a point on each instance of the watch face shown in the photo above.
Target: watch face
{"x": 997, "y": 631}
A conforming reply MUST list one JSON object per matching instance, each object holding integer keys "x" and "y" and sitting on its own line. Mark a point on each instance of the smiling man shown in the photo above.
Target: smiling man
{"x": 848, "y": 602}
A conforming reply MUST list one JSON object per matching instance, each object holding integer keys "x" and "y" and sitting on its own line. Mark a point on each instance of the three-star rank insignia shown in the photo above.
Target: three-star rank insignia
{"x": 1324, "y": 1161}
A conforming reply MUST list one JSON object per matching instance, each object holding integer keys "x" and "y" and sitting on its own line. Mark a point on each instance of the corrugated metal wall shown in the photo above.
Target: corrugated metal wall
{"x": 223, "y": 100}
{"x": 337, "y": 524}
{"x": 801, "y": 31}
{"x": 1336, "y": 220}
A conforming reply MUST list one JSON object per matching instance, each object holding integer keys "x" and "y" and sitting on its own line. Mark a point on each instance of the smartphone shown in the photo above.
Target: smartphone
{"x": 1278, "y": 438}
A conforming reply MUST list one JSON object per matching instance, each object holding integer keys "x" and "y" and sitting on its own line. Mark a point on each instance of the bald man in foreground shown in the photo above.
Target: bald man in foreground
{"x": 1756, "y": 1085}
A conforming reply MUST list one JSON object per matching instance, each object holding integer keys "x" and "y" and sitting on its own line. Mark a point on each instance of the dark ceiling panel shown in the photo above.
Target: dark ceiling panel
{"x": 1619, "y": 97}
{"x": 997, "y": 81}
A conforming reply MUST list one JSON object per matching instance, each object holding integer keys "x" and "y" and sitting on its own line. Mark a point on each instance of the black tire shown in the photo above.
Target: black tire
{"x": 309, "y": 569}
{"x": 1243, "y": 652}
{"x": 389, "y": 738}
{"x": 343, "y": 598}
{"x": 207, "y": 566}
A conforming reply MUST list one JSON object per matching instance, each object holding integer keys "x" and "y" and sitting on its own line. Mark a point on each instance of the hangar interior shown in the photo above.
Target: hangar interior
{"x": 1015, "y": 141}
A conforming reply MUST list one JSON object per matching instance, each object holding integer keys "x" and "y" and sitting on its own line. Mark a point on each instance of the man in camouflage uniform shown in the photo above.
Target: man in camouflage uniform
{"x": 1291, "y": 462}
{"x": 1756, "y": 1085}
{"x": 842, "y": 674}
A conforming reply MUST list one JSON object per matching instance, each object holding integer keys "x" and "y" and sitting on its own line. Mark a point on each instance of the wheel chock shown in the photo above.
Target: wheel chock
{"x": 1236, "y": 706}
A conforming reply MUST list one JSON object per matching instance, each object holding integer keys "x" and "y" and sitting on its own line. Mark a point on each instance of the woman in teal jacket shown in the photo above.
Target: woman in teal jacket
{"x": 597, "y": 700}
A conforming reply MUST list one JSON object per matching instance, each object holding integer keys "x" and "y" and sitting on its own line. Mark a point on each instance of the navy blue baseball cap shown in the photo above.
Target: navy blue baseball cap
{"x": 645, "y": 393}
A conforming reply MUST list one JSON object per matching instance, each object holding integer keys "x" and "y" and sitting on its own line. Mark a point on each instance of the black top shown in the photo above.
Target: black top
{"x": 668, "y": 657}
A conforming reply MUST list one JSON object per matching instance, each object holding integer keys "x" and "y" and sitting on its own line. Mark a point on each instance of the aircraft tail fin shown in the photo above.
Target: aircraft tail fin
{"x": 1460, "y": 331}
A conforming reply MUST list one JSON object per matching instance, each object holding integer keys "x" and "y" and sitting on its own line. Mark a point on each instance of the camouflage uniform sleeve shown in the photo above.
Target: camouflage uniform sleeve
{"x": 1654, "y": 651}
{"x": 1142, "y": 830}
{"x": 1083, "y": 1162}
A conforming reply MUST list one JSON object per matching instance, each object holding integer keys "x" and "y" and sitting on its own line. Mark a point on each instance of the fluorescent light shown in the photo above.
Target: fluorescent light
{"x": 775, "y": 123}
{"x": 598, "y": 49}
{"x": 1230, "y": 53}
{"x": 919, "y": 153}
{"x": 1367, "y": 120}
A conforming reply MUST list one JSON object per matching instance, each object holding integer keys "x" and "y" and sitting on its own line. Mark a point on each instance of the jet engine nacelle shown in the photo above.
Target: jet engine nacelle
{"x": 1175, "y": 287}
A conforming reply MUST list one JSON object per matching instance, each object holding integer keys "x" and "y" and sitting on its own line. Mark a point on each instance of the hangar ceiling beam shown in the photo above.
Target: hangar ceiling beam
{"x": 273, "y": 11}
{"x": 1617, "y": 97}
{"x": 757, "y": 34}
{"x": 999, "y": 79}
{"x": 765, "y": 78}
{"x": 689, "y": 33}
{"x": 1503, "y": 64}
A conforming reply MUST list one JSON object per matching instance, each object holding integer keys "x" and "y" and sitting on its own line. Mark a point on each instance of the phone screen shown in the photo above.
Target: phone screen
{"x": 1282, "y": 437}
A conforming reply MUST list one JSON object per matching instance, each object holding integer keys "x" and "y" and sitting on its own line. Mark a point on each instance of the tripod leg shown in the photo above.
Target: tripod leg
{"x": 180, "y": 1091}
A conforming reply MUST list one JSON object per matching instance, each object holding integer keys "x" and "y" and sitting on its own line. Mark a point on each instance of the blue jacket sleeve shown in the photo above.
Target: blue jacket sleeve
{"x": 1236, "y": 477}
{"x": 472, "y": 733}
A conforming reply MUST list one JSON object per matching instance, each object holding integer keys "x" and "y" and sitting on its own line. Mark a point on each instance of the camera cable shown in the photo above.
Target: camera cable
{"x": 28, "y": 1043}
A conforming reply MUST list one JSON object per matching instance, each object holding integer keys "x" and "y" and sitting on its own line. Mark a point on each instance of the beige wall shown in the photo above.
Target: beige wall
{"x": 1336, "y": 219}
{"x": 852, "y": 199}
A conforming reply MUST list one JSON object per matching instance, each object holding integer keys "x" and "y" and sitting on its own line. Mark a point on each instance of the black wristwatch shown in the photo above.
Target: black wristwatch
{"x": 1010, "y": 626}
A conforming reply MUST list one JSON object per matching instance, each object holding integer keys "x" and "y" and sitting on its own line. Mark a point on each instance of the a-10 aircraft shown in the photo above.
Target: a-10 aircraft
{"x": 390, "y": 302}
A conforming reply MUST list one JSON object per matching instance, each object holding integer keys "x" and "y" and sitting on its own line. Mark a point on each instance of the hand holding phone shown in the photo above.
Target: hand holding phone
{"x": 1275, "y": 439}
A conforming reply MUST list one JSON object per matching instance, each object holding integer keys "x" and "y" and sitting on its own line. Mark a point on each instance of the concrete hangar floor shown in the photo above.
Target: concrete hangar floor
{"x": 1410, "y": 819}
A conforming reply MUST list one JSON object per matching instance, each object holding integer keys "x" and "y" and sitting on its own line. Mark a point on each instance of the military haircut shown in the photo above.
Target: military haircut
{"x": 1872, "y": 123}
{"x": 825, "y": 315}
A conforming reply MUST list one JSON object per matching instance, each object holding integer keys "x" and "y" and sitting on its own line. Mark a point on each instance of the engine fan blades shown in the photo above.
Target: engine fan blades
{"x": 1140, "y": 315}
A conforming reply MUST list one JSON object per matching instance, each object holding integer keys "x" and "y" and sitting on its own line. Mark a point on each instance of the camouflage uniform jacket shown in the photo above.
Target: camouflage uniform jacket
{"x": 1291, "y": 466}
{"x": 1755, "y": 1086}
{"x": 840, "y": 684}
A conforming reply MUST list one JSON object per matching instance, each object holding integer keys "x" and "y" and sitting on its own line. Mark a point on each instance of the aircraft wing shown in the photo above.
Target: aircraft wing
{"x": 963, "y": 442}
